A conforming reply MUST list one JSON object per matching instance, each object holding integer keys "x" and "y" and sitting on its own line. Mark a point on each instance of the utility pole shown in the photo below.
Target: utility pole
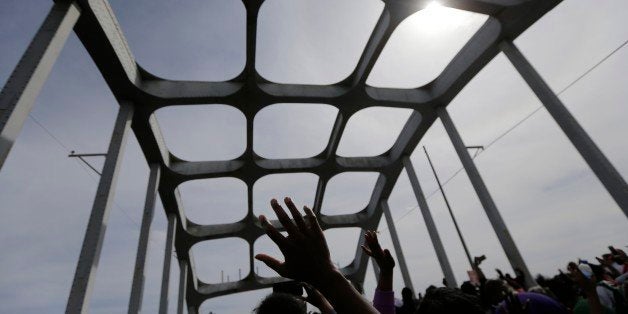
{"x": 478, "y": 150}
{"x": 453, "y": 218}
{"x": 80, "y": 156}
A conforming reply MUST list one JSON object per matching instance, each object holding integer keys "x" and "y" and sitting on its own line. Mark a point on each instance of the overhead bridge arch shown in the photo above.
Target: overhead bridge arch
{"x": 141, "y": 93}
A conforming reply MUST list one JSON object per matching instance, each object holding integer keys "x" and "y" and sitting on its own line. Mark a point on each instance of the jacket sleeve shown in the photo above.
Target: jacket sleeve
{"x": 384, "y": 301}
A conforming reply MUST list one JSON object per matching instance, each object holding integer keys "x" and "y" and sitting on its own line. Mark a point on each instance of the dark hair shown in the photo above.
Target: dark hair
{"x": 407, "y": 294}
{"x": 409, "y": 302}
{"x": 430, "y": 288}
{"x": 598, "y": 271}
{"x": 281, "y": 303}
{"x": 494, "y": 292}
{"x": 448, "y": 300}
{"x": 564, "y": 289}
{"x": 468, "y": 288}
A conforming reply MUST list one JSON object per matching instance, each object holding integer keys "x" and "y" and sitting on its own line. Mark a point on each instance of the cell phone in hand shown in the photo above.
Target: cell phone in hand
{"x": 289, "y": 287}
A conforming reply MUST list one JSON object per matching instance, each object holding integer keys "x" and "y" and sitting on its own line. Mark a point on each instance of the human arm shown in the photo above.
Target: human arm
{"x": 588, "y": 287}
{"x": 512, "y": 282}
{"x": 521, "y": 278}
{"x": 307, "y": 258}
{"x": 623, "y": 257}
{"x": 384, "y": 260}
{"x": 476, "y": 268}
{"x": 608, "y": 266}
{"x": 500, "y": 274}
{"x": 384, "y": 299}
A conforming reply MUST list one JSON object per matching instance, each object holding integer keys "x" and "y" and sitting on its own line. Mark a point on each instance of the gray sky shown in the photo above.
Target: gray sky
{"x": 554, "y": 206}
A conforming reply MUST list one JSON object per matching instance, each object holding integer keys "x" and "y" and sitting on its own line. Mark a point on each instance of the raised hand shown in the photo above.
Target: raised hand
{"x": 478, "y": 260}
{"x": 305, "y": 249}
{"x": 500, "y": 273}
{"x": 604, "y": 262}
{"x": 588, "y": 286}
{"x": 306, "y": 258}
{"x": 383, "y": 258}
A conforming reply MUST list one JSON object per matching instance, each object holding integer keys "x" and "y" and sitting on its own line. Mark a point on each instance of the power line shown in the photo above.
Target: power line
{"x": 87, "y": 171}
{"x": 58, "y": 141}
{"x": 516, "y": 125}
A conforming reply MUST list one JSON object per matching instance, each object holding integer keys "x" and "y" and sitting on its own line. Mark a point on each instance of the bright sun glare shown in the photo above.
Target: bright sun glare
{"x": 436, "y": 19}
{"x": 432, "y": 5}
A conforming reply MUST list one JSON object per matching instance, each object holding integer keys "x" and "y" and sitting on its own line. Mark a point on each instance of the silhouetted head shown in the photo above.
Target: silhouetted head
{"x": 430, "y": 288}
{"x": 542, "y": 281}
{"x": 598, "y": 272}
{"x": 494, "y": 291}
{"x": 407, "y": 294}
{"x": 281, "y": 303}
{"x": 448, "y": 300}
{"x": 565, "y": 290}
{"x": 468, "y": 288}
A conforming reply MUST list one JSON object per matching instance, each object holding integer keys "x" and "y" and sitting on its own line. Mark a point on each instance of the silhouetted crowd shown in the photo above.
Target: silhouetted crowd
{"x": 584, "y": 287}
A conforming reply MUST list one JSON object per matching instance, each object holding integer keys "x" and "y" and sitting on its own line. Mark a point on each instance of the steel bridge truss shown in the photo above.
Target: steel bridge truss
{"x": 140, "y": 94}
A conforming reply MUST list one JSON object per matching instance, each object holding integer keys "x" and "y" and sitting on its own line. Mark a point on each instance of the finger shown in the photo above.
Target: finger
{"x": 389, "y": 257}
{"x": 314, "y": 226}
{"x": 272, "y": 232}
{"x": 314, "y": 297}
{"x": 367, "y": 239}
{"x": 308, "y": 299}
{"x": 376, "y": 251}
{"x": 367, "y": 251}
{"x": 309, "y": 290}
{"x": 284, "y": 218}
{"x": 271, "y": 262}
{"x": 296, "y": 215}
{"x": 374, "y": 244}
{"x": 370, "y": 235}
{"x": 376, "y": 241}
